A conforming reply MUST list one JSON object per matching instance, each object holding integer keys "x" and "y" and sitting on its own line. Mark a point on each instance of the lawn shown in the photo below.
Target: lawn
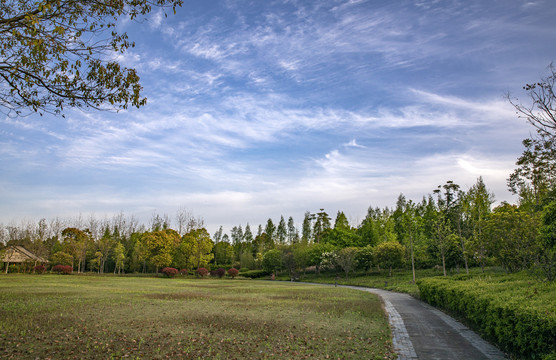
{"x": 57, "y": 316}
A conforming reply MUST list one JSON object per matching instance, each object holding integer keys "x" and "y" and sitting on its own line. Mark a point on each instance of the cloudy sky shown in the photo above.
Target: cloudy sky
{"x": 258, "y": 109}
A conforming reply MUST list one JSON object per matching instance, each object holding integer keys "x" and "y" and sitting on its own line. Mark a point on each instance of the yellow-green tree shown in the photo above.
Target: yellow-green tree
{"x": 159, "y": 247}
{"x": 194, "y": 249}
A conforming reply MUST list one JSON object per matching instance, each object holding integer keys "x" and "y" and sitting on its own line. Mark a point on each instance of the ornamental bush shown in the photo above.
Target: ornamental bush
{"x": 184, "y": 272}
{"x": 220, "y": 272}
{"x": 201, "y": 272}
{"x": 39, "y": 269}
{"x": 233, "y": 272}
{"x": 170, "y": 272}
{"x": 63, "y": 269}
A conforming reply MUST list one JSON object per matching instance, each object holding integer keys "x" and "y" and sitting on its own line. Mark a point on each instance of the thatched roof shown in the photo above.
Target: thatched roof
{"x": 18, "y": 254}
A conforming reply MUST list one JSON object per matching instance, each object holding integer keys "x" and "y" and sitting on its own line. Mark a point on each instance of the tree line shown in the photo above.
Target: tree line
{"x": 449, "y": 228}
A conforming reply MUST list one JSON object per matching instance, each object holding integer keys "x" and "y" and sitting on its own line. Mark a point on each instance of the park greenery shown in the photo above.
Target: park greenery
{"x": 450, "y": 230}
{"x": 90, "y": 317}
{"x": 64, "y": 53}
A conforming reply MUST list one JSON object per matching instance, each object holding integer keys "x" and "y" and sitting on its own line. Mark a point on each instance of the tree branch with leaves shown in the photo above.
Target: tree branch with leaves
{"x": 60, "y": 53}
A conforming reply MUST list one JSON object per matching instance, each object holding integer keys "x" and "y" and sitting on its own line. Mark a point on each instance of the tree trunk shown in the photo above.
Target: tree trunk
{"x": 443, "y": 262}
{"x": 412, "y": 257}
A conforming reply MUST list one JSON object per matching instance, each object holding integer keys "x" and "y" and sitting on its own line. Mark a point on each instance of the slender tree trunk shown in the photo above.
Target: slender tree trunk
{"x": 412, "y": 257}
{"x": 443, "y": 262}
{"x": 463, "y": 249}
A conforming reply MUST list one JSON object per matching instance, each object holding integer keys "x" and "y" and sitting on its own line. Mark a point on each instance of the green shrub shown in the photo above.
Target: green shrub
{"x": 255, "y": 274}
{"x": 515, "y": 314}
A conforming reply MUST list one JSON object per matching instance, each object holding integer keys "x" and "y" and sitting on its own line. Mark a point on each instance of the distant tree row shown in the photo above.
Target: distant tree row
{"x": 450, "y": 228}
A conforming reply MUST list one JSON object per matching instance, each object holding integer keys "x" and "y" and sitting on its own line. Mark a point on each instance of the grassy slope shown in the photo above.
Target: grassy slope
{"x": 111, "y": 317}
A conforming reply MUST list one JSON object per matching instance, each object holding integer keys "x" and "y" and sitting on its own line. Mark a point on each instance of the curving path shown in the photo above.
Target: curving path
{"x": 423, "y": 332}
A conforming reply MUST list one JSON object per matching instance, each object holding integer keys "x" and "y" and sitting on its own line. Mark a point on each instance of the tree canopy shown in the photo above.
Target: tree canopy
{"x": 59, "y": 53}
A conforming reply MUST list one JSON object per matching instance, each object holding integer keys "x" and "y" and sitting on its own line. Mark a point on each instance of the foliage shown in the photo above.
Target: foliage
{"x": 39, "y": 269}
{"x": 223, "y": 253}
{"x": 346, "y": 258}
{"x": 201, "y": 272}
{"x": 159, "y": 246}
{"x": 535, "y": 175}
{"x": 184, "y": 272}
{"x": 220, "y": 272}
{"x": 62, "y": 269}
{"x": 546, "y": 262}
{"x": 365, "y": 258}
{"x": 195, "y": 249}
{"x": 169, "y": 272}
{"x": 272, "y": 260}
{"x": 525, "y": 327}
{"x": 511, "y": 235}
{"x": 233, "y": 272}
{"x": 329, "y": 260}
{"x": 389, "y": 254}
{"x": 54, "y": 55}
{"x": 62, "y": 258}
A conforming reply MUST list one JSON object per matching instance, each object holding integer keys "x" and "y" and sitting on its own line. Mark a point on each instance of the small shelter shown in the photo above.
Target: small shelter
{"x": 17, "y": 254}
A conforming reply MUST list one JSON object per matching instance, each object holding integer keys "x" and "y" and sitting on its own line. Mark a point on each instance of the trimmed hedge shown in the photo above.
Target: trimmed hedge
{"x": 254, "y": 274}
{"x": 512, "y": 313}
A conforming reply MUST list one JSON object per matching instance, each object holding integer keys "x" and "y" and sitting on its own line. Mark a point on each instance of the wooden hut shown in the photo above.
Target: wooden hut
{"x": 17, "y": 254}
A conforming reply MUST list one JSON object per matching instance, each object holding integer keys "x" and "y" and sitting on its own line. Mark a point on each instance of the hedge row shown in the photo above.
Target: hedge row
{"x": 519, "y": 318}
{"x": 254, "y": 274}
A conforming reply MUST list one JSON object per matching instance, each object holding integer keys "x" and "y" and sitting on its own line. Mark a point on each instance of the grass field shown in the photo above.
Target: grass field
{"x": 56, "y": 316}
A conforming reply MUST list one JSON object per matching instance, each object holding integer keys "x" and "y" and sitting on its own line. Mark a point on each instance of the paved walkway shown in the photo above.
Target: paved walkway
{"x": 423, "y": 332}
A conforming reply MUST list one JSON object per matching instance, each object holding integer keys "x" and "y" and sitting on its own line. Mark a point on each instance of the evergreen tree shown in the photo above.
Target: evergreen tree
{"x": 281, "y": 231}
{"x": 292, "y": 232}
{"x": 306, "y": 230}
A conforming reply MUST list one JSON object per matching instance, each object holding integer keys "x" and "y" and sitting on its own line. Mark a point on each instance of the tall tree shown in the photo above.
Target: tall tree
{"x": 322, "y": 223}
{"x": 512, "y": 235}
{"x": 307, "y": 228}
{"x": 270, "y": 229}
{"x": 160, "y": 246}
{"x": 54, "y": 55}
{"x": 341, "y": 221}
{"x": 476, "y": 208}
{"x": 217, "y": 236}
{"x": 76, "y": 242}
{"x": 292, "y": 232}
{"x": 547, "y": 242}
{"x": 281, "y": 231}
{"x": 248, "y": 234}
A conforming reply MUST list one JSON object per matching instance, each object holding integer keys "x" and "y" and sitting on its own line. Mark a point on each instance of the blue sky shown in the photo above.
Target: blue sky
{"x": 258, "y": 109}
